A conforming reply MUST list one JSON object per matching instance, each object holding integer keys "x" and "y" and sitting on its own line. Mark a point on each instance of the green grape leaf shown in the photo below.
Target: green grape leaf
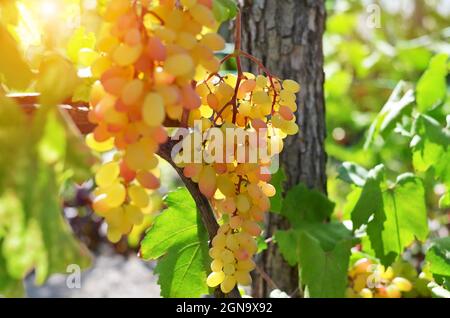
{"x": 314, "y": 207}
{"x": 80, "y": 39}
{"x": 277, "y": 181}
{"x": 402, "y": 219}
{"x": 179, "y": 240}
{"x": 324, "y": 272}
{"x": 14, "y": 71}
{"x": 444, "y": 201}
{"x": 438, "y": 256}
{"x": 438, "y": 291}
{"x": 57, "y": 80}
{"x": 224, "y": 10}
{"x": 12, "y": 133}
{"x": 9, "y": 286}
{"x": 431, "y": 147}
{"x": 312, "y": 245}
{"x": 352, "y": 173}
{"x": 431, "y": 89}
{"x": 396, "y": 106}
{"x": 288, "y": 245}
{"x": 370, "y": 200}
{"x": 35, "y": 234}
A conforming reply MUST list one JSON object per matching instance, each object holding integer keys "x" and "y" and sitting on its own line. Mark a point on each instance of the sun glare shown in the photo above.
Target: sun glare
{"x": 48, "y": 8}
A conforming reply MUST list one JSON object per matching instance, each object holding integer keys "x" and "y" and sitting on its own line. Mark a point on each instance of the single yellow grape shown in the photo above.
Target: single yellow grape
{"x": 215, "y": 279}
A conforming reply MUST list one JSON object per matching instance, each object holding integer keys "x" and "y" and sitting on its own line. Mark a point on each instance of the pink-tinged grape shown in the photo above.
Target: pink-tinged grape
{"x": 235, "y": 222}
{"x": 189, "y": 98}
{"x": 229, "y": 205}
{"x": 133, "y": 37}
{"x": 241, "y": 254}
{"x": 156, "y": 50}
{"x": 286, "y": 113}
{"x": 215, "y": 279}
{"x": 153, "y": 110}
{"x": 132, "y": 92}
{"x": 148, "y": 180}
{"x": 126, "y": 173}
{"x": 206, "y": 3}
{"x": 192, "y": 170}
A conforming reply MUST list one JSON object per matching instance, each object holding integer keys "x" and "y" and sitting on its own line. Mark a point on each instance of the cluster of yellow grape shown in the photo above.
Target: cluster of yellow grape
{"x": 239, "y": 189}
{"x": 371, "y": 280}
{"x": 149, "y": 57}
{"x": 156, "y": 63}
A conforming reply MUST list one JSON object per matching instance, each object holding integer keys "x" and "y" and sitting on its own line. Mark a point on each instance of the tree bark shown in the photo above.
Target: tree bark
{"x": 287, "y": 36}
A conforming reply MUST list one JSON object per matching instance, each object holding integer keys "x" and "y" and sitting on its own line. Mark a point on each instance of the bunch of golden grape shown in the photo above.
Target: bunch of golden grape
{"x": 368, "y": 279}
{"x": 157, "y": 63}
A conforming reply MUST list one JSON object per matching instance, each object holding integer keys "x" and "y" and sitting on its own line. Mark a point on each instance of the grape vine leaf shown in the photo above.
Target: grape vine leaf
{"x": 179, "y": 240}
{"x": 431, "y": 147}
{"x": 9, "y": 286}
{"x": 438, "y": 256}
{"x": 319, "y": 249}
{"x": 370, "y": 200}
{"x": 352, "y": 173}
{"x": 431, "y": 89}
{"x": 395, "y": 216}
{"x": 224, "y": 10}
{"x": 324, "y": 272}
{"x": 35, "y": 234}
{"x": 315, "y": 206}
{"x": 396, "y": 106}
{"x": 80, "y": 39}
{"x": 277, "y": 200}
